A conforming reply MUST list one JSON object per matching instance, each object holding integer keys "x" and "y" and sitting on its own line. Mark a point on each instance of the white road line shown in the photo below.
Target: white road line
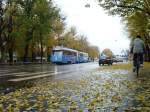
{"x": 40, "y": 73}
{"x": 19, "y": 74}
{"x": 35, "y": 73}
{"x": 7, "y": 69}
{"x": 8, "y": 74}
{"x": 37, "y": 76}
{"x": 3, "y": 70}
{"x": 28, "y": 78}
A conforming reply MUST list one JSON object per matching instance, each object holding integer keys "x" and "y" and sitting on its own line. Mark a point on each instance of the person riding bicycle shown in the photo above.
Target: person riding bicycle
{"x": 137, "y": 49}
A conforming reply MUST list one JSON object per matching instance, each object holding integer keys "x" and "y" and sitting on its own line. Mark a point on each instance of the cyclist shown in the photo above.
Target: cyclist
{"x": 137, "y": 49}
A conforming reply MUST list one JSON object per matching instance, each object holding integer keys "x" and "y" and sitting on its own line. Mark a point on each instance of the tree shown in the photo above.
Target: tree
{"x": 68, "y": 39}
{"x": 83, "y": 43}
{"x": 126, "y": 7}
{"x": 37, "y": 25}
{"x": 107, "y": 52}
{"x": 9, "y": 30}
{"x": 52, "y": 40}
{"x": 136, "y": 14}
{"x": 93, "y": 52}
{"x": 46, "y": 14}
{"x": 28, "y": 24}
{"x": 137, "y": 24}
{"x": 2, "y": 28}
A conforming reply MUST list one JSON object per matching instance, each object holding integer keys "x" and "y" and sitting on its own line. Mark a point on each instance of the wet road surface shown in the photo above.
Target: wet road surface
{"x": 29, "y": 72}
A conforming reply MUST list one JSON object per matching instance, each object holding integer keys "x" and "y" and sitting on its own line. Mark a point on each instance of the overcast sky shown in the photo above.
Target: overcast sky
{"x": 101, "y": 30}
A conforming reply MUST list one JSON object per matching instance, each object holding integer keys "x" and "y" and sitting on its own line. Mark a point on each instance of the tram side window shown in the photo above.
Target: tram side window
{"x": 58, "y": 53}
{"x": 75, "y": 54}
{"x": 81, "y": 55}
{"x": 69, "y": 53}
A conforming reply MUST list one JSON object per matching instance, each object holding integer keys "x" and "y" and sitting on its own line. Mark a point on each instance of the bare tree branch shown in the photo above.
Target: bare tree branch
{"x": 133, "y": 7}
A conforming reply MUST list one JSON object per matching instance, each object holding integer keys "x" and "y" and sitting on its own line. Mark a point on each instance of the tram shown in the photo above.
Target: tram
{"x": 64, "y": 55}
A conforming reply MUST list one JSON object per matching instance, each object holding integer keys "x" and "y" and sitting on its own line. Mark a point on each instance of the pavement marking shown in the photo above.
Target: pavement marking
{"x": 37, "y": 76}
{"x": 28, "y": 78}
{"x": 19, "y": 74}
{"x": 39, "y": 73}
{"x": 4, "y": 70}
{"x": 8, "y": 74}
{"x": 35, "y": 73}
{"x": 8, "y": 69}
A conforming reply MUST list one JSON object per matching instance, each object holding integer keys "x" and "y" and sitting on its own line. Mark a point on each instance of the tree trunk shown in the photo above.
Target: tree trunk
{"x": 3, "y": 57}
{"x": 41, "y": 51}
{"x": 48, "y": 54}
{"x": 33, "y": 56}
{"x": 2, "y": 46}
{"x": 29, "y": 36}
{"x": 33, "y": 53}
{"x": 10, "y": 51}
{"x": 41, "y": 47}
{"x": 26, "y": 49}
{"x": 10, "y": 40}
{"x": 147, "y": 54}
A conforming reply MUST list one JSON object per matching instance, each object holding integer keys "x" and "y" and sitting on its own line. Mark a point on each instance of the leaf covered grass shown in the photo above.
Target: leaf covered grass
{"x": 121, "y": 66}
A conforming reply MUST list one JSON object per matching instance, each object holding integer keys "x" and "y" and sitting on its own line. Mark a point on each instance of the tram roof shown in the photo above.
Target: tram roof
{"x": 82, "y": 52}
{"x": 60, "y": 48}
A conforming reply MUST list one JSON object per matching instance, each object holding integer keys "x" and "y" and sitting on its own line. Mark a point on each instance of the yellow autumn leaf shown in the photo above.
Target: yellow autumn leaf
{"x": 10, "y": 108}
{"x": 116, "y": 98}
{"x": 1, "y": 108}
{"x": 140, "y": 97}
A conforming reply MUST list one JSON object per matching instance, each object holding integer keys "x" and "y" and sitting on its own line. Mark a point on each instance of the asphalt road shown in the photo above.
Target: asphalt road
{"x": 19, "y": 73}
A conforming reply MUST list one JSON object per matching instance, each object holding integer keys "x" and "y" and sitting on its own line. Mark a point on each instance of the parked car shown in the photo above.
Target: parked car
{"x": 105, "y": 60}
{"x": 116, "y": 60}
{"x": 120, "y": 60}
